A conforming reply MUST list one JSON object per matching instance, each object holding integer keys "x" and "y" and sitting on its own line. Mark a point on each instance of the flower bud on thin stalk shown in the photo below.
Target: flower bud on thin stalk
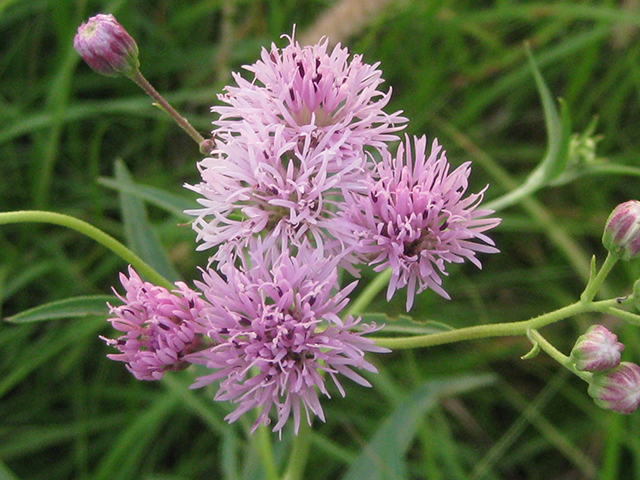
{"x": 617, "y": 389}
{"x": 597, "y": 350}
{"x": 621, "y": 238}
{"x": 622, "y": 231}
{"x": 109, "y": 50}
{"x": 107, "y": 47}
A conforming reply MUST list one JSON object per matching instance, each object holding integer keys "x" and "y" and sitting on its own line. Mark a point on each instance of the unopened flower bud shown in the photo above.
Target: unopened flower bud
{"x": 617, "y": 389}
{"x": 596, "y": 350}
{"x": 622, "y": 231}
{"x": 106, "y": 46}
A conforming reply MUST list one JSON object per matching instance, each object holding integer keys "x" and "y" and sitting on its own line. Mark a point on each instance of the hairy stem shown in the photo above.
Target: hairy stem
{"x": 205, "y": 145}
{"x": 496, "y": 329}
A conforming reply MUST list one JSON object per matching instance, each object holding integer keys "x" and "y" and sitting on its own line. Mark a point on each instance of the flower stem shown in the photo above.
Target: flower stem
{"x": 369, "y": 293}
{"x": 554, "y": 353}
{"x": 629, "y": 317}
{"x": 38, "y": 216}
{"x": 266, "y": 452}
{"x": 299, "y": 453}
{"x": 205, "y": 145}
{"x": 496, "y": 329}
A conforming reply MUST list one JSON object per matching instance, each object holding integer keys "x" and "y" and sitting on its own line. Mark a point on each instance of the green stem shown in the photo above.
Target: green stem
{"x": 37, "y": 216}
{"x": 496, "y": 329}
{"x": 369, "y": 293}
{"x": 596, "y": 282}
{"x": 299, "y": 453}
{"x": 265, "y": 450}
{"x": 632, "y": 318}
{"x": 554, "y": 353}
{"x": 205, "y": 145}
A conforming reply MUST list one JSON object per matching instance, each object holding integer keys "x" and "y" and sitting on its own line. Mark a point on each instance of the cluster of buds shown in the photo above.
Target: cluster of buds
{"x": 613, "y": 385}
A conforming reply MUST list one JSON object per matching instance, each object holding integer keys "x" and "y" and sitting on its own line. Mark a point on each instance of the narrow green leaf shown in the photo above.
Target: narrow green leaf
{"x": 46, "y": 347}
{"x": 20, "y": 279}
{"x": 68, "y": 308}
{"x": 230, "y": 453}
{"x": 19, "y": 443}
{"x": 140, "y": 235}
{"x": 554, "y": 163}
{"x": 174, "y": 204}
{"x": 127, "y": 453}
{"x": 558, "y": 131}
{"x": 384, "y": 456}
{"x": 6, "y": 474}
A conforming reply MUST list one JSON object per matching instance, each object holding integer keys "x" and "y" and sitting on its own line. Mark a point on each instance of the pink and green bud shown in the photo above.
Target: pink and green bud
{"x": 622, "y": 231}
{"x": 617, "y": 389}
{"x": 597, "y": 350}
{"x": 107, "y": 47}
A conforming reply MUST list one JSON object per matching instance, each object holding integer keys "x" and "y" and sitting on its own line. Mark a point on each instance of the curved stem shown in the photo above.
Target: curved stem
{"x": 554, "y": 353}
{"x": 38, "y": 216}
{"x": 496, "y": 329}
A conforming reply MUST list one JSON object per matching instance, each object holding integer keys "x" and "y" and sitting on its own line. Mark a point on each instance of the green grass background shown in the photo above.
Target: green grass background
{"x": 459, "y": 71}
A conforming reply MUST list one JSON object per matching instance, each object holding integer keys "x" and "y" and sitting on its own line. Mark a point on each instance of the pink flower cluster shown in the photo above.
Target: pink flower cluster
{"x": 302, "y": 181}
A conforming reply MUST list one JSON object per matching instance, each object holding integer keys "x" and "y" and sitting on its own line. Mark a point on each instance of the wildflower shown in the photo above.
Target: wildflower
{"x": 621, "y": 235}
{"x": 288, "y": 192}
{"x": 107, "y": 47}
{"x": 597, "y": 350}
{"x": 277, "y": 335}
{"x": 617, "y": 389}
{"x": 307, "y": 89}
{"x": 160, "y": 327}
{"x": 415, "y": 219}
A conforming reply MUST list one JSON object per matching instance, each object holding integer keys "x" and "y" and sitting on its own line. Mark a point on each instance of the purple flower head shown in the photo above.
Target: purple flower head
{"x": 106, "y": 46}
{"x": 278, "y": 337}
{"x": 288, "y": 192}
{"x": 416, "y": 219}
{"x": 309, "y": 89}
{"x": 596, "y": 350}
{"x": 617, "y": 389}
{"x": 160, "y": 327}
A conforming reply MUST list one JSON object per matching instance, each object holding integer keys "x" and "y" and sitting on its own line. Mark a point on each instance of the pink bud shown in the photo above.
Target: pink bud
{"x": 622, "y": 230}
{"x": 617, "y": 389}
{"x": 596, "y": 350}
{"x": 107, "y": 47}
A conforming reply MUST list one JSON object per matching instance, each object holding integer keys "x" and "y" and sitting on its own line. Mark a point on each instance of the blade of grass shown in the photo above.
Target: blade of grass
{"x": 67, "y": 308}
{"x": 384, "y": 456}
{"x": 173, "y": 204}
{"x": 141, "y": 236}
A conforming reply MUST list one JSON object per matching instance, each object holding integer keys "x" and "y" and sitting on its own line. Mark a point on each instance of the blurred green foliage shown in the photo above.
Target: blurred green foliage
{"x": 459, "y": 71}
